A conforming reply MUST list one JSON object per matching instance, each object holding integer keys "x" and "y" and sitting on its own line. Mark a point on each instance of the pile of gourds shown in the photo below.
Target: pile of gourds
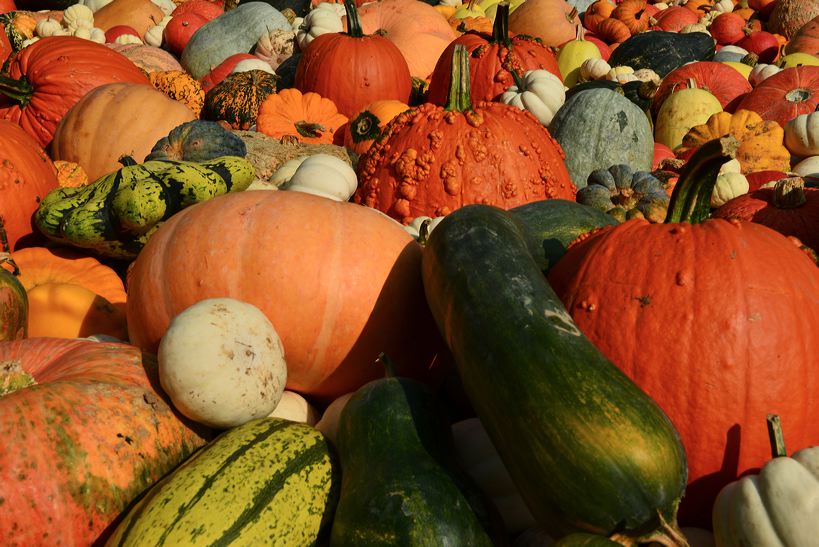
{"x": 403, "y": 272}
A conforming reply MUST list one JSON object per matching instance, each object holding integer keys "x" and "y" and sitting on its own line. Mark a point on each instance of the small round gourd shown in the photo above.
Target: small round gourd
{"x": 222, "y": 363}
{"x": 295, "y": 408}
{"x": 324, "y": 175}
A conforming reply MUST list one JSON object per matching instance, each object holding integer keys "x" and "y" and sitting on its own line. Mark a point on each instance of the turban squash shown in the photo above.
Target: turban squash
{"x": 432, "y": 160}
{"x": 743, "y": 301}
{"x": 84, "y": 433}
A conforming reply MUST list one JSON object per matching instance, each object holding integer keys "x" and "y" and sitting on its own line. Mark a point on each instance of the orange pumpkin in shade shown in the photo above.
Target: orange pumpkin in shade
{"x": 367, "y": 125}
{"x": 84, "y": 434}
{"x": 353, "y": 69}
{"x": 26, "y": 176}
{"x": 722, "y": 320}
{"x": 308, "y": 117}
{"x": 433, "y": 160}
{"x": 340, "y": 283}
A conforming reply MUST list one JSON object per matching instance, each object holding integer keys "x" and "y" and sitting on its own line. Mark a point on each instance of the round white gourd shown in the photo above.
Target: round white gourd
{"x": 295, "y": 408}
{"x": 222, "y": 363}
{"x": 324, "y": 175}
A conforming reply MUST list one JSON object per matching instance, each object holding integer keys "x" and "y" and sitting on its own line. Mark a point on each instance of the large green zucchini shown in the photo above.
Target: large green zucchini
{"x": 587, "y": 448}
{"x": 663, "y": 51}
{"x": 267, "y": 482}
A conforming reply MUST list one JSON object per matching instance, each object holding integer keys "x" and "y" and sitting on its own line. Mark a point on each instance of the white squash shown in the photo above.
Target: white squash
{"x": 722, "y": 6}
{"x": 731, "y": 183}
{"x": 252, "y": 64}
{"x": 97, "y": 35}
{"x": 594, "y": 69}
{"x": 322, "y": 19}
{"x": 275, "y": 46}
{"x": 779, "y": 507}
{"x": 47, "y": 27}
{"x": 222, "y": 363}
{"x": 154, "y": 35}
{"x": 295, "y": 408}
{"x": 328, "y": 424}
{"x": 127, "y": 39}
{"x": 286, "y": 171}
{"x": 540, "y": 92}
{"x": 324, "y": 175}
{"x": 82, "y": 32}
{"x": 808, "y": 169}
{"x": 802, "y": 135}
{"x": 621, "y": 74}
{"x": 76, "y": 16}
{"x": 760, "y": 72}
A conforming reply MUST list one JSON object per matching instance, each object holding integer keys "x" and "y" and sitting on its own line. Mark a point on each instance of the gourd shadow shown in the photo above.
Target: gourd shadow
{"x": 698, "y": 501}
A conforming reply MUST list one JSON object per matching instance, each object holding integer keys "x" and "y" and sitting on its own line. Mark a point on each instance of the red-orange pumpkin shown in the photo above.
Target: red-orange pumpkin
{"x": 673, "y": 19}
{"x": 352, "y": 69}
{"x": 48, "y": 77}
{"x": 785, "y": 95}
{"x": 721, "y": 80}
{"x": 723, "y": 322}
{"x": 26, "y": 176}
{"x": 492, "y": 60}
{"x": 340, "y": 283}
{"x": 433, "y": 160}
{"x": 84, "y": 441}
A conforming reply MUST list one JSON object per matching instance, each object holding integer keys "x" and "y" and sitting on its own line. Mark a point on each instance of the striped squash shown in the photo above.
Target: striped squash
{"x": 267, "y": 482}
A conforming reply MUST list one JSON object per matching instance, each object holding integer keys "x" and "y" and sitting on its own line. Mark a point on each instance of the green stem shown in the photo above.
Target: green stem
{"x": 691, "y": 198}
{"x": 18, "y": 90}
{"x": 384, "y": 359}
{"x": 500, "y": 29}
{"x": 353, "y": 22}
{"x": 310, "y": 129}
{"x": 127, "y": 161}
{"x": 520, "y": 83}
{"x": 775, "y": 436}
{"x": 459, "y": 99}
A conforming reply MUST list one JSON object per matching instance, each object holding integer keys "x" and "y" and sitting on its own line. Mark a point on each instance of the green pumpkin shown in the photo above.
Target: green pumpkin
{"x": 13, "y": 303}
{"x": 198, "y": 140}
{"x": 624, "y": 194}
{"x": 237, "y": 98}
{"x": 598, "y": 128}
{"x": 663, "y": 51}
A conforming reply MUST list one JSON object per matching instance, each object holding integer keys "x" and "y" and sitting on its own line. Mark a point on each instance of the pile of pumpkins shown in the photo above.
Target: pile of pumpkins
{"x": 401, "y": 272}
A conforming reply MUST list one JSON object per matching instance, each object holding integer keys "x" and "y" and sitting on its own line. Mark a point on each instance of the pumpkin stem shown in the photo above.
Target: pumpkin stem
{"x": 520, "y": 83}
{"x": 353, "y": 22}
{"x": 776, "y": 437}
{"x": 127, "y": 161}
{"x": 691, "y": 198}
{"x": 789, "y": 193}
{"x": 500, "y": 29}
{"x": 16, "y": 90}
{"x": 309, "y": 129}
{"x": 384, "y": 359}
{"x": 751, "y": 59}
{"x": 459, "y": 99}
{"x": 364, "y": 127}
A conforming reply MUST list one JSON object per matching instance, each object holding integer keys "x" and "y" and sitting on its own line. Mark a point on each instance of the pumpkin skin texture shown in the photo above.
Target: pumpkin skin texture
{"x": 137, "y": 14}
{"x": 553, "y": 21}
{"x": 805, "y": 40}
{"x": 105, "y": 116}
{"x": 353, "y": 70}
{"x": 736, "y": 293}
{"x": 148, "y": 58}
{"x": 785, "y": 95}
{"x": 94, "y": 418}
{"x": 180, "y": 86}
{"x": 60, "y": 71}
{"x": 26, "y": 176}
{"x": 331, "y": 337}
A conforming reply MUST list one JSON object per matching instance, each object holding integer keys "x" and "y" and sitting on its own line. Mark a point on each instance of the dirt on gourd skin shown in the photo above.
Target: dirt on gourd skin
{"x": 13, "y": 377}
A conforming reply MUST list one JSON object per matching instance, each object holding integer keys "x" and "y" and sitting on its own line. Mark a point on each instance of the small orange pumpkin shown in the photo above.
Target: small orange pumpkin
{"x": 309, "y": 117}
{"x": 613, "y": 31}
{"x": 634, "y": 14}
{"x": 369, "y": 123}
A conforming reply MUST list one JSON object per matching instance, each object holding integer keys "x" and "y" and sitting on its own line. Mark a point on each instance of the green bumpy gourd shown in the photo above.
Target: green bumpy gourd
{"x": 116, "y": 215}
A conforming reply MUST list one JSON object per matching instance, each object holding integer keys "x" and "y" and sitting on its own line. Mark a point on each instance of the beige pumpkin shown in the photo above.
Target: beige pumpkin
{"x": 140, "y": 15}
{"x": 222, "y": 363}
{"x": 115, "y": 120}
{"x": 295, "y": 408}
{"x": 553, "y": 21}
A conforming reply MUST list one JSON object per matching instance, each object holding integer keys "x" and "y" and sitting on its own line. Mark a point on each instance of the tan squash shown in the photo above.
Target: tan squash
{"x": 137, "y": 14}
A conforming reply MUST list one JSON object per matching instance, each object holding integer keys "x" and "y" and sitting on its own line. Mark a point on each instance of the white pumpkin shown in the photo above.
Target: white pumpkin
{"x": 127, "y": 39}
{"x": 760, "y": 72}
{"x": 97, "y": 35}
{"x": 252, "y": 64}
{"x": 802, "y": 135}
{"x": 621, "y": 74}
{"x": 594, "y": 69}
{"x": 730, "y": 184}
{"x": 286, "y": 171}
{"x": 78, "y": 15}
{"x": 295, "y": 408}
{"x": 540, "y": 92}
{"x": 275, "y": 46}
{"x": 808, "y": 169}
{"x": 322, "y": 19}
{"x": 154, "y": 35}
{"x": 328, "y": 424}
{"x": 722, "y": 6}
{"x": 324, "y": 175}
{"x": 222, "y": 363}
{"x": 82, "y": 32}
{"x": 47, "y": 27}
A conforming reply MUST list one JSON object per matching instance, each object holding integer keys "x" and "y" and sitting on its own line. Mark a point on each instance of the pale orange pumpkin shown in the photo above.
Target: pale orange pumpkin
{"x": 553, "y": 21}
{"x": 340, "y": 283}
{"x": 137, "y": 14}
{"x": 114, "y": 120}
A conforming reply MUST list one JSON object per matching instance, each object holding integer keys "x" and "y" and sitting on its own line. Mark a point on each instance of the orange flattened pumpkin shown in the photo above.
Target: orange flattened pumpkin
{"x": 309, "y": 117}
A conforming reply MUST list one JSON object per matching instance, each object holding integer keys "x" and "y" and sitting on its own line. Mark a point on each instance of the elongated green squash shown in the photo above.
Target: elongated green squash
{"x": 587, "y": 448}
{"x": 235, "y": 31}
{"x": 267, "y": 482}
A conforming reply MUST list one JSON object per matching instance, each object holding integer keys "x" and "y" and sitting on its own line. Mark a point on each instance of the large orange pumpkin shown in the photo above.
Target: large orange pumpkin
{"x": 340, "y": 283}
{"x": 26, "y": 176}
{"x": 718, "y": 321}
{"x": 84, "y": 433}
{"x": 553, "y": 21}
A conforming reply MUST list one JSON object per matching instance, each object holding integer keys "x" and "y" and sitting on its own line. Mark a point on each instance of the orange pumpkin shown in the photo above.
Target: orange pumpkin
{"x": 634, "y": 14}
{"x": 310, "y": 117}
{"x": 137, "y": 14}
{"x": 553, "y": 21}
{"x": 102, "y": 126}
{"x": 369, "y": 123}
{"x": 340, "y": 283}
{"x": 596, "y": 12}
{"x": 613, "y": 31}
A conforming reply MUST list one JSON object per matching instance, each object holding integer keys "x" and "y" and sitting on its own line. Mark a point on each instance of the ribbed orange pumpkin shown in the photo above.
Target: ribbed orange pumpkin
{"x": 26, "y": 176}
{"x": 340, "y": 283}
{"x": 83, "y": 442}
{"x": 433, "y": 160}
{"x": 723, "y": 326}
{"x": 785, "y": 95}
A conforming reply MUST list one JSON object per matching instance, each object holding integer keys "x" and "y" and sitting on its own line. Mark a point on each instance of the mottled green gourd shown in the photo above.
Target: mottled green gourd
{"x": 624, "y": 194}
{"x": 117, "y": 214}
{"x": 400, "y": 484}
{"x": 197, "y": 140}
{"x": 13, "y": 297}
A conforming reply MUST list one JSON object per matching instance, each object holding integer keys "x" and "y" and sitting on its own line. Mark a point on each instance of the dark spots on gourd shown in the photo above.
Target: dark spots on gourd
{"x": 644, "y": 300}
{"x": 622, "y": 120}
{"x": 128, "y": 440}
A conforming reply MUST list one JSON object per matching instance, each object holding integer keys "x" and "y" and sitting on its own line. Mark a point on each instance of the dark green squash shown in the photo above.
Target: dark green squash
{"x": 588, "y": 450}
{"x": 640, "y": 93}
{"x": 400, "y": 484}
{"x": 624, "y": 194}
{"x": 598, "y": 128}
{"x": 237, "y": 98}
{"x": 663, "y": 51}
{"x": 198, "y": 140}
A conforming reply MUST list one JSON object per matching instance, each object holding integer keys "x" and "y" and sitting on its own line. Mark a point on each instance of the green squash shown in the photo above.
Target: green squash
{"x": 13, "y": 301}
{"x": 198, "y": 140}
{"x": 598, "y": 128}
{"x": 235, "y": 31}
{"x": 663, "y": 51}
{"x": 624, "y": 194}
